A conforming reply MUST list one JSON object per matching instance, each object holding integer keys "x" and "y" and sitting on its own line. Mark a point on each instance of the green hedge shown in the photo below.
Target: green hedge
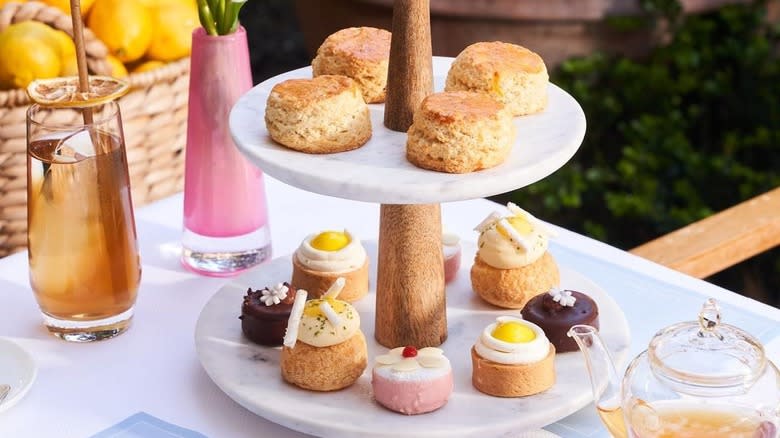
{"x": 690, "y": 130}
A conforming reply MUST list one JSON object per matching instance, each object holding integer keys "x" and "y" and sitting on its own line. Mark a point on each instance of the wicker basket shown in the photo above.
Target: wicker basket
{"x": 154, "y": 114}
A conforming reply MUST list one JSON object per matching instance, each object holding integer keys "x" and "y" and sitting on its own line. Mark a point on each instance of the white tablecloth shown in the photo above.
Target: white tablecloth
{"x": 82, "y": 389}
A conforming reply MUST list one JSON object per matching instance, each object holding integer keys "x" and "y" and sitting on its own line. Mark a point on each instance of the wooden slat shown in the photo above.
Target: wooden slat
{"x": 721, "y": 240}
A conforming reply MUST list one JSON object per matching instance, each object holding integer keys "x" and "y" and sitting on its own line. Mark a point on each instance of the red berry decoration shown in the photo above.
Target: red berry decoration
{"x": 409, "y": 351}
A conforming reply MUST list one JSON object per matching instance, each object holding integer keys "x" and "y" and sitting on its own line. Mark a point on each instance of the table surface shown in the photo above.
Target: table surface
{"x": 83, "y": 389}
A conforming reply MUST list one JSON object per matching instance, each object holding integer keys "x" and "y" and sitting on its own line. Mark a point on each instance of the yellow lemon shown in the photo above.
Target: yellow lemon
{"x": 26, "y": 58}
{"x": 64, "y": 92}
{"x": 64, "y": 5}
{"x": 153, "y": 3}
{"x": 173, "y": 25}
{"x": 147, "y": 66}
{"x": 4, "y": 2}
{"x": 67, "y": 53}
{"x": 118, "y": 70}
{"x": 125, "y": 26}
{"x": 330, "y": 241}
{"x": 514, "y": 332}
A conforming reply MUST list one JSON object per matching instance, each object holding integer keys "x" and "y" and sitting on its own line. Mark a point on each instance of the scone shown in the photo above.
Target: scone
{"x": 324, "y": 349}
{"x": 322, "y": 115}
{"x": 361, "y": 53}
{"x": 460, "y": 132}
{"x": 412, "y": 381}
{"x": 557, "y": 311}
{"x": 512, "y": 264}
{"x": 323, "y": 257}
{"x": 264, "y": 313}
{"x": 512, "y": 358}
{"x": 512, "y": 74}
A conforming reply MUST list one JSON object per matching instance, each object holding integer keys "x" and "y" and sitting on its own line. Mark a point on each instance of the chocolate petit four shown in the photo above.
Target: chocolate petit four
{"x": 557, "y": 311}
{"x": 264, "y": 313}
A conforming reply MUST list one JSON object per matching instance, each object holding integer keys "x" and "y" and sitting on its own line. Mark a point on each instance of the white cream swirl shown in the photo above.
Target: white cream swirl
{"x": 504, "y": 248}
{"x": 346, "y": 259}
{"x": 509, "y": 353}
{"x": 317, "y": 330}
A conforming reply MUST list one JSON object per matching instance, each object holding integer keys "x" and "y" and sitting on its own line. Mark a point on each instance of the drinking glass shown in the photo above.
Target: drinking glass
{"x": 83, "y": 251}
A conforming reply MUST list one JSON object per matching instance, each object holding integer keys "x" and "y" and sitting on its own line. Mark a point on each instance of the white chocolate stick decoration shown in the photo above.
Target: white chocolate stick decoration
{"x": 329, "y": 313}
{"x": 514, "y": 236}
{"x": 335, "y": 289}
{"x": 488, "y": 222}
{"x": 291, "y": 334}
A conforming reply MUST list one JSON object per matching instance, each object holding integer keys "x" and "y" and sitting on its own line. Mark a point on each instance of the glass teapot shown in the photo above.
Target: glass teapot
{"x": 696, "y": 379}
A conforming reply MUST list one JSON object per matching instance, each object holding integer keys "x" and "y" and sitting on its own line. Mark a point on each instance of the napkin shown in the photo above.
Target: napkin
{"x": 143, "y": 425}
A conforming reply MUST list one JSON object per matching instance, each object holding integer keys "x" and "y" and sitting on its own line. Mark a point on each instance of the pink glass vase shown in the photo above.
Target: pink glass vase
{"x": 225, "y": 218}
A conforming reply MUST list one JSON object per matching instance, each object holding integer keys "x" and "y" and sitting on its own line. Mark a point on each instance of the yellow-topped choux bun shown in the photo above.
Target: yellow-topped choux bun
{"x": 325, "y": 256}
{"x": 323, "y": 349}
{"x": 512, "y": 358}
{"x": 513, "y": 264}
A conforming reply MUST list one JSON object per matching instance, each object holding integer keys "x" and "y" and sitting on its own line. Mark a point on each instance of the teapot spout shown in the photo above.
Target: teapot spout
{"x": 603, "y": 377}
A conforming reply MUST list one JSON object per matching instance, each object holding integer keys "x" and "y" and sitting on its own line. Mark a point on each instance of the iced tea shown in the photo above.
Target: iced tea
{"x": 83, "y": 254}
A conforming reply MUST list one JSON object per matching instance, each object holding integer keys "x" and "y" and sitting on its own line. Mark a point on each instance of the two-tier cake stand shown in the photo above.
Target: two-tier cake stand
{"x": 410, "y": 307}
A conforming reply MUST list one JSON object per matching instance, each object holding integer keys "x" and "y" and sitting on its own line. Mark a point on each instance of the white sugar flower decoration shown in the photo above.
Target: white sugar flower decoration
{"x": 404, "y": 359}
{"x": 275, "y": 295}
{"x": 563, "y": 297}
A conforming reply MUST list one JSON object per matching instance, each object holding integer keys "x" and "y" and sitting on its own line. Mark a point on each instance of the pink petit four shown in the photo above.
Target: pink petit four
{"x": 412, "y": 381}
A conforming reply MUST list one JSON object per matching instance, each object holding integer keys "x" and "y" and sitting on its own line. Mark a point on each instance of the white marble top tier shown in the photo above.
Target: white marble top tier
{"x": 379, "y": 172}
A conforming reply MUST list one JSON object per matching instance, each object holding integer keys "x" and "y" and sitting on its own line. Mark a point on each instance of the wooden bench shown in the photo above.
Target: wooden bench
{"x": 721, "y": 240}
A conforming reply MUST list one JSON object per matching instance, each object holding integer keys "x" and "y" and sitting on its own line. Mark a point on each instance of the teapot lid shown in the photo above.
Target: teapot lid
{"x": 706, "y": 357}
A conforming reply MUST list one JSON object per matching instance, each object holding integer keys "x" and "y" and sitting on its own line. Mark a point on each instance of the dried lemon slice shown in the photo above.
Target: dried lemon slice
{"x": 64, "y": 92}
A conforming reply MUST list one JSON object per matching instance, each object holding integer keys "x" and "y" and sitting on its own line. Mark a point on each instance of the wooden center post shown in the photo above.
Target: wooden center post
{"x": 410, "y": 295}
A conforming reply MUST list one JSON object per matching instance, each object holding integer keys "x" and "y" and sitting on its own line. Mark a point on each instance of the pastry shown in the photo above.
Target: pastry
{"x": 512, "y": 264}
{"x": 459, "y": 132}
{"x": 512, "y": 358}
{"x": 450, "y": 244}
{"x": 412, "y": 381}
{"x": 264, "y": 313}
{"x": 557, "y": 311}
{"x": 361, "y": 53}
{"x": 324, "y": 349}
{"x": 323, "y": 257}
{"x": 512, "y": 74}
{"x": 322, "y": 115}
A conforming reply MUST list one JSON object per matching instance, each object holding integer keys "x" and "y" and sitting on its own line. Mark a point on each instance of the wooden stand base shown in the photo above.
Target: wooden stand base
{"x": 411, "y": 307}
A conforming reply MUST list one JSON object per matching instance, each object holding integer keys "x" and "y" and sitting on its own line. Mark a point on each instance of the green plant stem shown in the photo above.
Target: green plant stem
{"x": 206, "y": 19}
{"x": 232, "y": 17}
{"x": 220, "y": 15}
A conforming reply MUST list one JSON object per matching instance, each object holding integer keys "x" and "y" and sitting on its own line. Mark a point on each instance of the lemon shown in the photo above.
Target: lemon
{"x": 64, "y": 92}
{"x": 312, "y": 307}
{"x": 118, "y": 70}
{"x": 25, "y": 58}
{"x": 67, "y": 53}
{"x": 173, "y": 25}
{"x": 514, "y": 332}
{"x": 125, "y": 26}
{"x": 330, "y": 241}
{"x": 4, "y": 2}
{"x": 147, "y": 66}
{"x": 64, "y": 5}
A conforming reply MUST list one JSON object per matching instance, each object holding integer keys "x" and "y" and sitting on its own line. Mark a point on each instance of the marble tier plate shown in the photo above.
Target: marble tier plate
{"x": 379, "y": 172}
{"x": 251, "y": 376}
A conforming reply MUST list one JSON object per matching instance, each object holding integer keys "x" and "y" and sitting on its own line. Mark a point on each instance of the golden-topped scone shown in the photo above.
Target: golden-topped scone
{"x": 362, "y": 53}
{"x": 322, "y": 115}
{"x": 512, "y": 74}
{"x": 324, "y": 349}
{"x": 513, "y": 264}
{"x": 323, "y": 257}
{"x": 459, "y": 132}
